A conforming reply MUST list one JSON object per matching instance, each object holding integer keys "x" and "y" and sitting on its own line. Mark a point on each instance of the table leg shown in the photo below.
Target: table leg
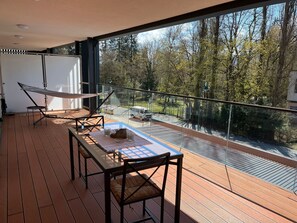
{"x": 178, "y": 189}
{"x": 107, "y": 197}
{"x": 71, "y": 156}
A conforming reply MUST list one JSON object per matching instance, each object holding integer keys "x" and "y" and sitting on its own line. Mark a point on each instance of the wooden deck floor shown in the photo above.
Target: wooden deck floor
{"x": 35, "y": 185}
{"x": 274, "y": 172}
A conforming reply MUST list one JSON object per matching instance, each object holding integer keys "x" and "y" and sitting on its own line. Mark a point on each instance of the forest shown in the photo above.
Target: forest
{"x": 244, "y": 56}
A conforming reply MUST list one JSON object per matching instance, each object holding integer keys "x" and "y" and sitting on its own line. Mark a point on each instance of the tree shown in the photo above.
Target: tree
{"x": 287, "y": 46}
{"x": 200, "y": 60}
{"x": 148, "y": 66}
{"x": 215, "y": 24}
{"x": 118, "y": 61}
{"x": 259, "y": 88}
{"x": 169, "y": 58}
{"x": 230, "y": 33}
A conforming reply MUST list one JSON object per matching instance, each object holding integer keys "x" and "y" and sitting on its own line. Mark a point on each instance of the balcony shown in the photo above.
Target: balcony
{"x": 36, "y": 186}
{"x": 240, "y": 160}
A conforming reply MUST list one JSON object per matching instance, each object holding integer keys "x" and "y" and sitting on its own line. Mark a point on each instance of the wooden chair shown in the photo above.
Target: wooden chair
{"x": 135, "y": 186}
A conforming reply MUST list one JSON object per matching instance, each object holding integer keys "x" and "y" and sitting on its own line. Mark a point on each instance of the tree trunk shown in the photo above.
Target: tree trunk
{"x": 199, "y": 69}
{"x": 262, "y": 67}
{"x": 284, "y": 43}
{"x": 201, "y": 57}
{"x": 263, "y": 35}
{"x": 215, "y": 61}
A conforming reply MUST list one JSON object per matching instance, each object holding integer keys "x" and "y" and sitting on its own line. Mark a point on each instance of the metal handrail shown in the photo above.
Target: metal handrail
{"x": 206, "y": 99}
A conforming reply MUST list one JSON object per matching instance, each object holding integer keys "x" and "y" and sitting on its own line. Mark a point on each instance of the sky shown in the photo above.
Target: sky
{"x": 149, "y": 35}
{"x": 158, "y": 33}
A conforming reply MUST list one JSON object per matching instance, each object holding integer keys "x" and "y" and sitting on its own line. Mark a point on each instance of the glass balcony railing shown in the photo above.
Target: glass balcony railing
{"x": 254, "y": 139}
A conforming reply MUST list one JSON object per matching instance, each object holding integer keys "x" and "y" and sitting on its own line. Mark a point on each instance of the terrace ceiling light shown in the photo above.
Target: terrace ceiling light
{"x": 22, "y": 26}
{"x": 19, "y": 36}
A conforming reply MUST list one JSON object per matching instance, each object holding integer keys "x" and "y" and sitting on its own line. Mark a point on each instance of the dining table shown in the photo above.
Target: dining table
{"x": 108, "y": 153}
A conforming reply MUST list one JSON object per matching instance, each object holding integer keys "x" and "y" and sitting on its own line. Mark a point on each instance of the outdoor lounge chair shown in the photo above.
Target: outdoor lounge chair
{"x": 79, "y": 121}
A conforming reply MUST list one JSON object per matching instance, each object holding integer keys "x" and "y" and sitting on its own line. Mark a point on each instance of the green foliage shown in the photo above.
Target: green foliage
{"x": 119, "y": 61}
{"x": 244, "y": 56}
{"x": 256, "y": 124}
{"x": 65, "y": 50}
{"x": 237, "y": 55}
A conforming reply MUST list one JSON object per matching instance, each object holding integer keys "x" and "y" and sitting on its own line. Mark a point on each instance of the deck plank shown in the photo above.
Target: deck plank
{"x": 31, "y": 211}
{"x": 48, "y": 214}
{"x": 14, "y": 188}
{"x": 61, "y": 174}
{"x": 41, "y": 189}
{"x": 230, "y": 200}
{"x": 3, "y": 173}
{"x": 261, "y": 192}
{"x": 94, "y": 208}
{"x": 79, "y": 211}
{"x": 16, "y": 218}
{"x": 59, "y": 201}
{"x": 61, "y": 150}
{"x": 19, "y": 135}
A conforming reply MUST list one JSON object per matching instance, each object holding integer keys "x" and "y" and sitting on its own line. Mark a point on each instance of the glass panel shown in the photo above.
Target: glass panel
{"x": 264, "y": 129}
{"x": 268, "y": 137}
{"x": 236, "y": 135}
{"x": 187, "y": 123}
{"x": 208, "y": 122}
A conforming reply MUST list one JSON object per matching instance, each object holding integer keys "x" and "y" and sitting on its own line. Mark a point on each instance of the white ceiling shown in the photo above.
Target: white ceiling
{"x": 57, "y": 22}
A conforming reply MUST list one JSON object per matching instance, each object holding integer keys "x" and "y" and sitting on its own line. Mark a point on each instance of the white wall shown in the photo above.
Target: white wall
{"x": 26, "y": 69}
{"x": 63, "y": 74}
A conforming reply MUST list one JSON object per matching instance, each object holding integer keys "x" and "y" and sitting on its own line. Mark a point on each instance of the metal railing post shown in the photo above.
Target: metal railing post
{"x": 228, "y": 131}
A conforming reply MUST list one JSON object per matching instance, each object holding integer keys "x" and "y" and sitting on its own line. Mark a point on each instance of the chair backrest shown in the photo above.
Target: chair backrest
{"x": 139, "y": 164}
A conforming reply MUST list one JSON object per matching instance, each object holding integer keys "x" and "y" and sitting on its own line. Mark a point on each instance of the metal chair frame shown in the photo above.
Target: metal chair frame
{"x": 86, "y": 174}
{"x": 137, "y": 165}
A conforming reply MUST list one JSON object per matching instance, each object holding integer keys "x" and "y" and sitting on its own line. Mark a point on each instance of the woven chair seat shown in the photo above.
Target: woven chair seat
{"x": 132, "y": 184}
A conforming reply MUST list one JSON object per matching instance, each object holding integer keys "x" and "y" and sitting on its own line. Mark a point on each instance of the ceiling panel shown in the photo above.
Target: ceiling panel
{"x": 55, "y": 22}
